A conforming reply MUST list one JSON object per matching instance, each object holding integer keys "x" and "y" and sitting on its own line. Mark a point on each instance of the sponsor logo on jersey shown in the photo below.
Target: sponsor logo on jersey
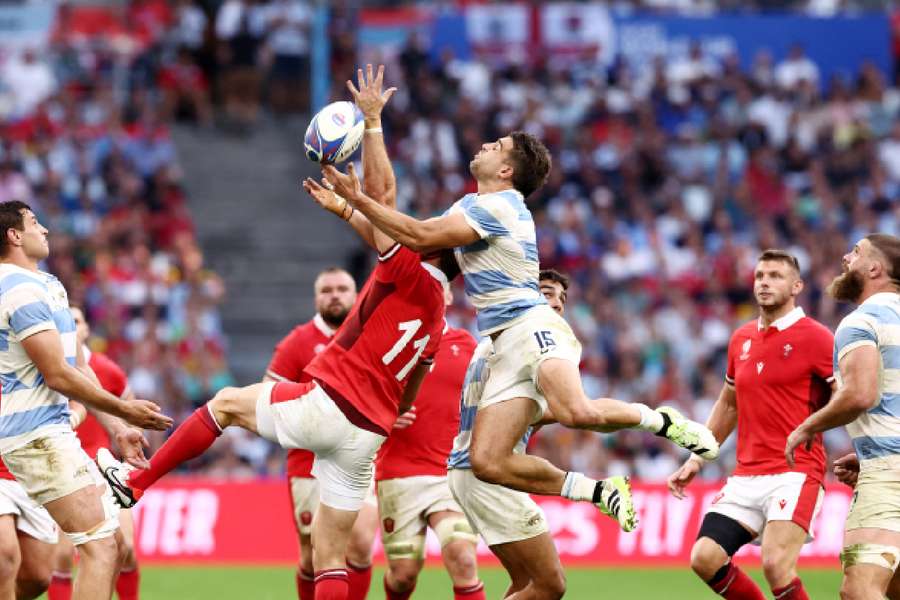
{"x": 745, "y": 351}
{"x": 782, "y": 503}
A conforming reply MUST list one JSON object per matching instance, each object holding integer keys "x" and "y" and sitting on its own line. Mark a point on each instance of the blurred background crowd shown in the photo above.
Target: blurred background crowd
{"x": 668, "y": 181}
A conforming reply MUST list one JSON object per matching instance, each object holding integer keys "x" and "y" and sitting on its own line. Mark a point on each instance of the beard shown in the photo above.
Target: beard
{"x": 335, "y": 315}
{"x": 846, "y": 287}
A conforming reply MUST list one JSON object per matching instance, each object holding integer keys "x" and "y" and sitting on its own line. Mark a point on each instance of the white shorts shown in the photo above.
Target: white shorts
{"x": 754, "y": 500}
{"x": 31, "y": 518}
{"x": 53, "y": 466}
{"x": 405, "y": 504}
{"x": 499, "y": 514}
{"x": 305, "y": 498}
{"x": 303, "y": 416}
{"x": 520, "y": 350}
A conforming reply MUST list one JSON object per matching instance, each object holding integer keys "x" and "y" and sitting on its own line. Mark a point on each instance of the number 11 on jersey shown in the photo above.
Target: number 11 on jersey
{"x": 408, "y": 329}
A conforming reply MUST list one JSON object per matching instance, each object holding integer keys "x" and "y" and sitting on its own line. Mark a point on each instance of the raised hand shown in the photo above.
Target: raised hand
{"x": 325, "y": 197}
{"x": 369, "y": 97}
{"x": 345, "y": 185}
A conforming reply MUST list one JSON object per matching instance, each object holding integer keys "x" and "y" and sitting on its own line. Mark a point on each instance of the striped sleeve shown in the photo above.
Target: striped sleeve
{"x": 856, "y": 330}
{"x": 486, "y": 217}
{"x": 29, "y": 310}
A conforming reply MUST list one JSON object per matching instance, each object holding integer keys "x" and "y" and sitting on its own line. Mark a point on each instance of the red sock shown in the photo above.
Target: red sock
{"x": 60, "y": 586}
{"x": 732, "y": 583}
{"x": 128, "y": 584}
{"x": 360, "y": 580}
{"x": 190, "y": 440}
{"x": 472, "y": 592}
{"x": 306, "y": 585}
{"x": 792, "y": 591}
{"x": 392, "y": 595}
{"x": 332, "y": 584}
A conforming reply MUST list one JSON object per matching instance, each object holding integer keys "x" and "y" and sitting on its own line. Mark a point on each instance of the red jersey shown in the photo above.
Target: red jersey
{"x": 4, "y": 472}
{"x": 781, "y": 375}
{"x": 112, "y": 379}
{"x": 395, "y": 324}
{"x": 291, "y": 356}
{"x": 423, "y": 447}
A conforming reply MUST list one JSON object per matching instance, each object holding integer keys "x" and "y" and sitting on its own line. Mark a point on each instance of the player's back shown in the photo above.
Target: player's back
{"x": 395, "y": 324}
{"x": 500, "y": 269}
{"x": 30, "y": 302}
{"x": 422, "y": 448}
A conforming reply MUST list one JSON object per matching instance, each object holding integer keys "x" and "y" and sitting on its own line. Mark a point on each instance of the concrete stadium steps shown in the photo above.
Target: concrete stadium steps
{"x": 259, "y": 231}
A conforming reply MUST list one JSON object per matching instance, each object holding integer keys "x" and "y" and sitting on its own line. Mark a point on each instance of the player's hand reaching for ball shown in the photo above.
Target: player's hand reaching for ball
{"x": 681, "y": 478}
{"x": 326, "y": 198}
{"x": 846, "y": 469}
{"x": 369, "y": 97}
{"x": 131, "y": 443}
{"x": 145, "y": 415}
{"x": 346, "y": 184}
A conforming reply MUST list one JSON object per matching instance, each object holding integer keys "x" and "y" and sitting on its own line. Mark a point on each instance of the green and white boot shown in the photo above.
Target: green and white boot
{"x": 688, "y": 434}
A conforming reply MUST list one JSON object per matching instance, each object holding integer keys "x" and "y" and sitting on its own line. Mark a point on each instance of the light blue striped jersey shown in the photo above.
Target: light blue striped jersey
{"x": 500, "y": 269}
{"x": 876, "y": 322}
{"x": 30, "y": 302}
{"x": 473, "y": 385}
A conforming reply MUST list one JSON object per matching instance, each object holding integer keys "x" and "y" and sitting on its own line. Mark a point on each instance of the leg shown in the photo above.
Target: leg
{"x": 537, "y": 559}
{"x": 36, "y": 567}
{"x": 359, "y": 551}
{"x": 305, "y": 500}
{"x": 63, "y": 561}
{"x": 401, "y": 577}
{"x": 870, "y": 558}
{"x": 83, "y": 513}
{"x": 781, "y": 545}
{"x": 331, "y": 533}
{"x": 128, "y": 582}
{"x": 458, "y": 543}
{"x": 720, "y": 537}
{"x": 498, "y": 428}
{"x": 10, "y": 557}
{"x": 893, "y": 591}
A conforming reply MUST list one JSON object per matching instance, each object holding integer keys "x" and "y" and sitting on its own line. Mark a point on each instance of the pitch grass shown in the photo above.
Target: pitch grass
{"x": 277, "y": 583}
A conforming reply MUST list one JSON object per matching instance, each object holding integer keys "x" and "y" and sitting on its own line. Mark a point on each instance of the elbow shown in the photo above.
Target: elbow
{"x": 864, "y": 401}
{"x": 56, "y": 380}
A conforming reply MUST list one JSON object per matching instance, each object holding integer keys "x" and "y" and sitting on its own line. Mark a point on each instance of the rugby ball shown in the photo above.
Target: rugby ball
{"x": 334, "y": 133}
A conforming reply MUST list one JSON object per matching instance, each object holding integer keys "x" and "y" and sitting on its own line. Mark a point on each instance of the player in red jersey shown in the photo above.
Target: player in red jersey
{"x": 367, "y": 376}
{"x": 335, "y": 293}
{"x": 411, "y": 475}
{"x": 93, "y": 437}
{"x": 779, "y": 372}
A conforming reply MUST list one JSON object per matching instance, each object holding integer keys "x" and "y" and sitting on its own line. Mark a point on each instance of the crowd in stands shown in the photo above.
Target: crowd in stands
{"x": 668, "y": 181}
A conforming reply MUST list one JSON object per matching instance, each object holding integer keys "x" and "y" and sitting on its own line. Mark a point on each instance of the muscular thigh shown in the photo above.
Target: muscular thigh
{"x": 534, "y": 558}
{"x": 499, "y": 427}
{"x": 37, "y": 558}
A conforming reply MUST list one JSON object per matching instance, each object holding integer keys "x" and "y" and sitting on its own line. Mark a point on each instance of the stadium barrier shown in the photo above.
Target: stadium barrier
{"x": 202, "y": 521}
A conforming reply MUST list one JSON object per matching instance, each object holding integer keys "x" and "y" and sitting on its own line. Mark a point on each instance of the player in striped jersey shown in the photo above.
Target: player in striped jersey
{"x": 510, "y": 522}
{"x": 535, "y": 362}
{"x": 867, "y": 368}
{"x": 40, "y": 367}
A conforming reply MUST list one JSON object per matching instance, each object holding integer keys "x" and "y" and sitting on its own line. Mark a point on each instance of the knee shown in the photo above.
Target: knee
{"x": 485, "y": 467}
{"x": 103, "y": 551}
{"x": 460, "y": 559}
{"x": 9, "y": 561}
{"x": 776, "y": 568}
{"x": 126, "y": 555}
{"x": 553, "y": 586}
{"x": 404, "y": 576}
{"x": 854, "y": 589}
{"x": 705, "y": 562}
{"x": 225, "y": 405}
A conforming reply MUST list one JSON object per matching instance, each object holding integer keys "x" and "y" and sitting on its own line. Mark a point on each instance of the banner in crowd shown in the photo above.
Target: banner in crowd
{"x": 198, "y": 521}
{"x": 516, "y": 33}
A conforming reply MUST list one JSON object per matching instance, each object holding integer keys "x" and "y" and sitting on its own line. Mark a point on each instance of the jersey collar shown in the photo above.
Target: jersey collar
{"x": 86, "y": 352}
{"x": 785, "y": 321}
{"x": 322, "y": 326}
{"x": 435, "y": 272}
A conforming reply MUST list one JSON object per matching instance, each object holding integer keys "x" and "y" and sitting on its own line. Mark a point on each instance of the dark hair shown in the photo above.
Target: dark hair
{"x": 556, "y": 277}
{"x": 11, "y": 217}
{"x": 446, "y": 262}
{"x": 530, "y": 162}
{"x": 889, "y": 246}
{"x": 775, "y": 254}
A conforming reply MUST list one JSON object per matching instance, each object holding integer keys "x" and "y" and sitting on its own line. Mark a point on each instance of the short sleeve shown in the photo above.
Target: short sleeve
{"x": 29, "y": 310}
{"x": 855, "y": 331}
{"x": 486, "y": 216}
{"x": 397, "y": 263}
{"x": 284, "y": 365}
{"x": 113, "y": 379}
{"x": 729, "y": 370}
{"x": 431, "y": 348}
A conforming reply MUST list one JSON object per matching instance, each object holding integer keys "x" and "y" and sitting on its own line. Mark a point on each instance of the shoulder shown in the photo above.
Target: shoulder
{"x": 816, "y": 329}
{"x": 744, "y": 331}
{"x": 11, "y": 279}
{"x": 461, "y": 336}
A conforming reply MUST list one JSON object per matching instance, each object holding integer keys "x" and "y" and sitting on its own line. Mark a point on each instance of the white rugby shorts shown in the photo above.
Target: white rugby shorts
{"x": 31, "y": 518}
{"x": 405, "y": 503}
{"x": 518, "y": 353}
{"x": 300, "y": 415}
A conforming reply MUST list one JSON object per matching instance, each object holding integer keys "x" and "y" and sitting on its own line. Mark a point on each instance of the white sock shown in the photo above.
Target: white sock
{"x": 651, "y": 420}
{"x": 578, "y": 486}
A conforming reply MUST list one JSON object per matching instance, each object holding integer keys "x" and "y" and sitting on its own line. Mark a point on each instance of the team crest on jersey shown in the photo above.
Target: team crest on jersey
{"x": 454, "y": 349}
{"x": 389, "y": 525}
{"x": 745, "y": 351}
{"x": 787, "y": 350}
{"x": 759, "y": 367}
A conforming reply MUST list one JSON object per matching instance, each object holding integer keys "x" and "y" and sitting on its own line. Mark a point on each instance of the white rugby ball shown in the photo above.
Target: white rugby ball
{"x": 334, "y": 133}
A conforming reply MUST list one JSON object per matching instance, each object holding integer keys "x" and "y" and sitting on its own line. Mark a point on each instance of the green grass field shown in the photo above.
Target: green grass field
{"x": 243, "y": 583}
